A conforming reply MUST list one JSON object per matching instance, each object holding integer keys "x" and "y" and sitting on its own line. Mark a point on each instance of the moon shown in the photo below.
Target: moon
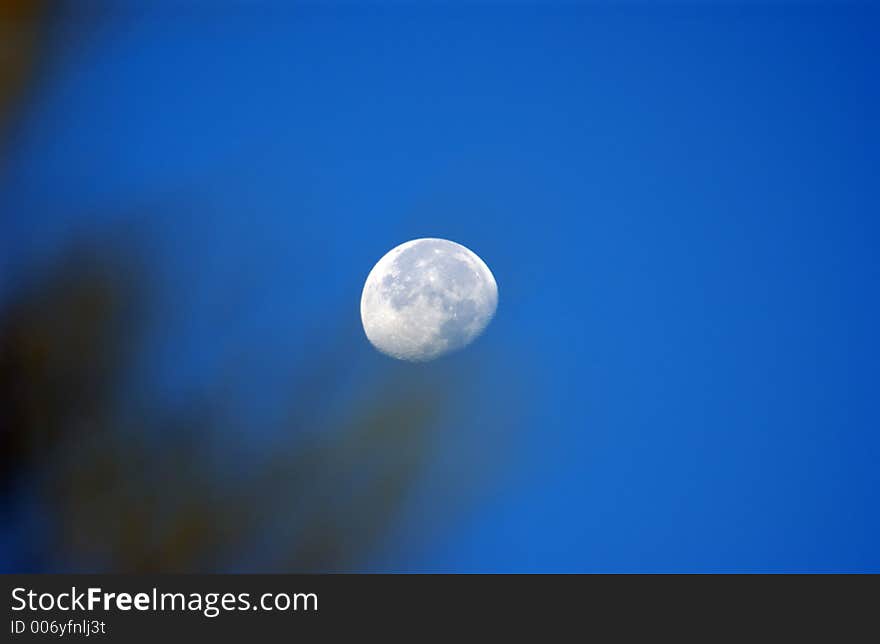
{"x": 426, "y": 298}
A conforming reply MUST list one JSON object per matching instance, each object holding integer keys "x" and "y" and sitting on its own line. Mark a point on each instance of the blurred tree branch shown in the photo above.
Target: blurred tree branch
{"x": 22, "y": 24}
{"x": 140, "y": 490}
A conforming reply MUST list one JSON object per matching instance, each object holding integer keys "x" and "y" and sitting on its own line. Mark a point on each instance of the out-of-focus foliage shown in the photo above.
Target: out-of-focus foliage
{"x": 128, "y": 489}
{"x": 21, "y": 24}
{"x": 63, "y": 341}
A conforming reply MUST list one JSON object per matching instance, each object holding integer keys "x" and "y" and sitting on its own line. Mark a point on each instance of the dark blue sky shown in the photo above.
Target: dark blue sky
{"x": 680, "y": 206}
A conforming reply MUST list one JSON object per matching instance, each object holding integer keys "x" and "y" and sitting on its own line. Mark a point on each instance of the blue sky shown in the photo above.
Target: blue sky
{"x": 679, "y": 204}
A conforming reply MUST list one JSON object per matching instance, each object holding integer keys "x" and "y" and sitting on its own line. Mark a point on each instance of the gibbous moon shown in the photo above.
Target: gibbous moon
{"x": 426, "y": 298}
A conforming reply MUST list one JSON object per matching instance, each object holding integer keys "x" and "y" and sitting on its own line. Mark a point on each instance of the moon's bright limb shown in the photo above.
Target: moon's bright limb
{"x": 426, "y": 298}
